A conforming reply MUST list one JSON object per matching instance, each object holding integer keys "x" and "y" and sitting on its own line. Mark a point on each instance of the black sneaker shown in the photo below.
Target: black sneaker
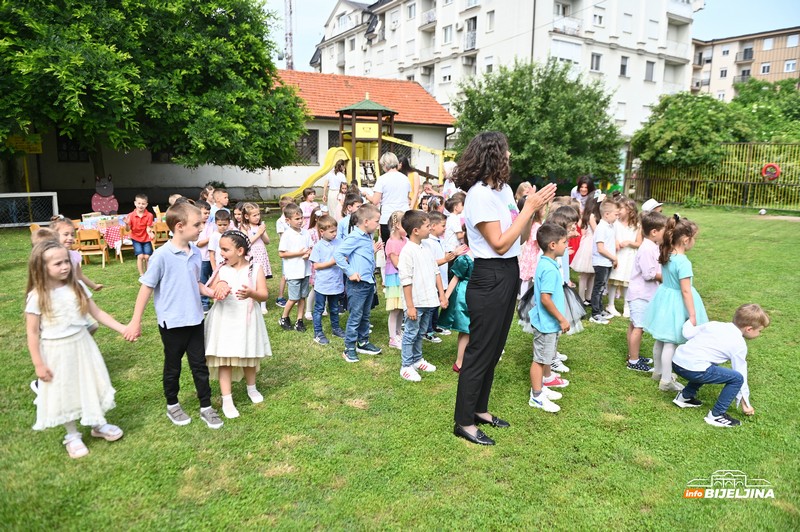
{"x": 285, "y": 324}
{"x": 281, "y": 302}
{"x": 723, "y": 420}
{"x": 299, "y": 326}
{"x": 648, "y": 361}
{"x": 368, "y": 348}
{"x": 322, "y": 339}
{"x": 683, "y": 402}
{"x": 640, "y": 365}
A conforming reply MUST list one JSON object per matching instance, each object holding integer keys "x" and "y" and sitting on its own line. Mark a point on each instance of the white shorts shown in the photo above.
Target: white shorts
{"x": 638, "y": 308}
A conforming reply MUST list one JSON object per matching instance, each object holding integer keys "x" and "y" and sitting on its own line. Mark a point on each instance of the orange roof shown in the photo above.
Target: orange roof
{"x": 325, "y": 93}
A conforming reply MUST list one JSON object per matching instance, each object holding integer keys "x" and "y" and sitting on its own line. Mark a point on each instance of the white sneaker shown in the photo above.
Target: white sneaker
{"x": 230, "y": 411}
{"x": 626, "y": 312}
{"x": 671, "y": 386}
{"x": 424, "y": 365}
{"x": 613, "y": 312}
{"x": 410, "y": 374}
{"x": 562, "y": 357}
{"x": 255, "y": 396}
{"x": 600, "y": 320}
{"x": 543, "y": 402}
{"x": 559, "y": 366}
{"x": 308, "y": 316}
{"x": 551, "y": 394}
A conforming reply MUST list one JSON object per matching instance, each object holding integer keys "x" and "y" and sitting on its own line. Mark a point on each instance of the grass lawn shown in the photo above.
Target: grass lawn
{"x": 338, "y": 445}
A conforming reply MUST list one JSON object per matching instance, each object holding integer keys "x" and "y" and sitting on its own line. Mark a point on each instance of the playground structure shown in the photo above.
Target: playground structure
{"x": 363, "y": 128}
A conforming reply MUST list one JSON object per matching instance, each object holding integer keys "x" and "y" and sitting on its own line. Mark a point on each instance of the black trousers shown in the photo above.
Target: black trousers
{"x": 385, "y": 232}
{"x": 189, "y": 340}
{"x": 491, "y": 299}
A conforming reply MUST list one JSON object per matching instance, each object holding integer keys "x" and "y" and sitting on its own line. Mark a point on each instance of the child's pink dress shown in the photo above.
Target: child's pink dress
{"x": 307, "y": 208}
{"x": 258, "y": 251}
{"x": 529, "y": 255}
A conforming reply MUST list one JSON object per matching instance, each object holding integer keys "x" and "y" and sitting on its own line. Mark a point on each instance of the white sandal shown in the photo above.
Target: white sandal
{"x": 107, "y": 432}
{"x": 75, "y": 447}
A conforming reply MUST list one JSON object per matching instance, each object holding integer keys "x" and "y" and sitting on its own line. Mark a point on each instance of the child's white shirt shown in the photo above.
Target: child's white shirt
{"x": 417, "y": 268}
{"x": 451, "y": 229}
{"x": 296, "y": 267}
{"x": 213, "y": 245}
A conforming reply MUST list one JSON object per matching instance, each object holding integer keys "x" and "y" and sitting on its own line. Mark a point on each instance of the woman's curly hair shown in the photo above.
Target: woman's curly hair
{"x": 484, "y": 161}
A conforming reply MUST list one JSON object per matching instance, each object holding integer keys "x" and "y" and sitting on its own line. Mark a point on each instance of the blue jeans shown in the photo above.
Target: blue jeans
{"x": 413, "y": 331}
{"x": 434, "y": 320}
{"x": 205, "y": 275}
{"x": 601, "y": 274}
{"x": 359, "y": 297}
{"x": 319, "y": 308}
{"x": 732, "y": 380}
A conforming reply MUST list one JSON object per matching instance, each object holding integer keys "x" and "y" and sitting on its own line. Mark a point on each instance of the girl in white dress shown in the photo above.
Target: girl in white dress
{"x": 629, "y": 238}
{"x": 235, "y": 334}
{"x": 73, "y": 380}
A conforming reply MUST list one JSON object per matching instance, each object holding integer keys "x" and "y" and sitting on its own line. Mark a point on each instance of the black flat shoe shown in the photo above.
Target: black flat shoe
{"x": 495, "y": 422}
{"x": 479, "y": 439}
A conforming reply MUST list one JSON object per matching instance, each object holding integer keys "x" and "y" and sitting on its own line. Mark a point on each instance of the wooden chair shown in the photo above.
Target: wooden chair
{"x": 162, "y": 234}
{"x": 91, "y": 243}
{"x": 126, "y": 235}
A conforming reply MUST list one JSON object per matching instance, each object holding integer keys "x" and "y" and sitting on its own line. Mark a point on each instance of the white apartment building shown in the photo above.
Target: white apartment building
{"x": 638, "y": 49}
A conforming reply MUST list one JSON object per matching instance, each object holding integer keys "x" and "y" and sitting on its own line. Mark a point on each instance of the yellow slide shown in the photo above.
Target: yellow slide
{"x": 333, "y": 155}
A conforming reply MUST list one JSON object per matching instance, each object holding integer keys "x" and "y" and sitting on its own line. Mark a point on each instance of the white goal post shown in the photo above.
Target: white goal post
{"x": 24, "y": 209}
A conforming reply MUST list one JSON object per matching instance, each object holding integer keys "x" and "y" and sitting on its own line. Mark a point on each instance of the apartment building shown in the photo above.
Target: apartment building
{"x": 638, "y": 50}
{"x": 719, "y": 64}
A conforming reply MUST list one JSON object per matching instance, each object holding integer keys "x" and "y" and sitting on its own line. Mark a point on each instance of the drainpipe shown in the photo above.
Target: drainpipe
{"x": 533, "y": 29}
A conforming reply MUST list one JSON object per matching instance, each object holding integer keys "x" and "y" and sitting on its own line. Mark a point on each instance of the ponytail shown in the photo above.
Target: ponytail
{"x": 675, "y": 230}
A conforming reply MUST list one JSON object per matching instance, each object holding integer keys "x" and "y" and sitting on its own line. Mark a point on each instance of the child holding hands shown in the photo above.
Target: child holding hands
{"x": 329, "y": 283}
{"x": 295, "y": 249}
{"x": 604, "y": 258}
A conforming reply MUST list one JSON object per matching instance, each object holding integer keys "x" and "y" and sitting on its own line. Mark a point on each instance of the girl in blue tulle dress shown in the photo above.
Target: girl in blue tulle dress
{"x": 676, "y": 299}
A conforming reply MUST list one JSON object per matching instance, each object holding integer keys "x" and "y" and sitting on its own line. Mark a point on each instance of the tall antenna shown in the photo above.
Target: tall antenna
{"x": 288, "y": 32}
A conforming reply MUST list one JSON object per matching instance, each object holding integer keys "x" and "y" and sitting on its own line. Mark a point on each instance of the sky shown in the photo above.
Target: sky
{"x": 719, "y": 18}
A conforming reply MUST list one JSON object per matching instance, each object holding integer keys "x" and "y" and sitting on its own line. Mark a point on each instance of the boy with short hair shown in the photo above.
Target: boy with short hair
{"x": 709, "y": 345}
{"x": 352, "y": 202}
{"x": 422, "y": 293}
{"x": 547, "y": 315}
{"x": 280, "y": 227}
{"x": 220, "y": 202}
{"x": 174, "y": 279}
{"x": 604, "y": 258}
{"x": 140, "y": 223}
{"x": 328, "y": 280}
{"x": 202, "y": 244}
{"x": 356, "y": 257}
{"x": 220, "y": 225}
{"x": 294, "y": 250}
{"x": 436, "y": 248}
{"x": 645, "y": 277}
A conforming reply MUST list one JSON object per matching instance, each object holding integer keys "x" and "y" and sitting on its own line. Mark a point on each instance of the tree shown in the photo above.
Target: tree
{"x": 772, "y": 109}
{"x": 556, "y": 124}
{"x": 189, "y": 77}
{"x": 686, "y": 130}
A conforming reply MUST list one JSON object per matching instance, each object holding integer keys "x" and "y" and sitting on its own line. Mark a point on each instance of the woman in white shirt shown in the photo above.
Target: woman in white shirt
{"x": 331, "y": 190}
{"x": 494, "y": 230}
{"x": 391, "y": 192}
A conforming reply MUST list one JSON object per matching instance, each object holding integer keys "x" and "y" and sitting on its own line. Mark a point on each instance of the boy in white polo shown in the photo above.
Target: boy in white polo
{"x": 295, "y": 249}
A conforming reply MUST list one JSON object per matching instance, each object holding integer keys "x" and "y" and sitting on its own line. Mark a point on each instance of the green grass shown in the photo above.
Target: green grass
{"x": 339, "y": 445}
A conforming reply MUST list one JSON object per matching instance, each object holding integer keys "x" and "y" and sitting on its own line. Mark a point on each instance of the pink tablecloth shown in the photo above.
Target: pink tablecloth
{"x": 112, "y": 236}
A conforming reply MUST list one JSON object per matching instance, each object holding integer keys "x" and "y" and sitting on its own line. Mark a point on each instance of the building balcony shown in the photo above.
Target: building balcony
{"x": 470, "y": 41}
{"x": 698, "y": 83}
{"x": 469, "y": 4}
{"x": 745, "y": 57}
{"x": 673, "y": 88}
{"x": 428, "y": 22}
{"x": 340, "y": 60}
{"x": 567, "y": 26}
{"x": 678, "y": 49}
{"x": 741, "y": 79}
{"x": 680, "y": 11}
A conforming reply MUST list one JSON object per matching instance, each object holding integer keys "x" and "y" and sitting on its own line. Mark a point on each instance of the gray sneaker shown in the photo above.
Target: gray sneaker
{"x": 211, "y": 418}
{"x": 177, "y": 415}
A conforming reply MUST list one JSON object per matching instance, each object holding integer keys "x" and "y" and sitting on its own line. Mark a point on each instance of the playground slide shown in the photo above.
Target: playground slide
{"x": 333, "y": 155}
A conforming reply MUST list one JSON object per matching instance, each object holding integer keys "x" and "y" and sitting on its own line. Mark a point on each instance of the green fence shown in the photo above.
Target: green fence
{"x": 735, "y": 182}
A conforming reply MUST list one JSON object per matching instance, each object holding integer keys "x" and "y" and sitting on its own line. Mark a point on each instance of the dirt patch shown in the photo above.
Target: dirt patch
{"x": 361, "y": 404}
{"x": 784, "y": 218}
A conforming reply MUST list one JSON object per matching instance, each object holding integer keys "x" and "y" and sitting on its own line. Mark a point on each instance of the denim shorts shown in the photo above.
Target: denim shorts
{"x": 298, "y": 288}
{"x": 544, "y": 347}
{"x": 638, "y": 308}
{"x": 142, "y": 248}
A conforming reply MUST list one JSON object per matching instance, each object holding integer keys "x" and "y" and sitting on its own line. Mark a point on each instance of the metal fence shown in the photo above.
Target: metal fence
{"x": 737, "y": 181}
{"x": 25, "y": 209}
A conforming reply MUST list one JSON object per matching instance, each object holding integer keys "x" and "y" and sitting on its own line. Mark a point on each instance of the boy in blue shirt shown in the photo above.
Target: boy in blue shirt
{"x": 173, "y": 276}
{"x": 328, "y": 280}
{"x": 547, "y": 316}
{"x": 356, "y": 257}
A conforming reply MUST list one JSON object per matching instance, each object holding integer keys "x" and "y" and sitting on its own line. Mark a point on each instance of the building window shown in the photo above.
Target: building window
{"x": 343, "y": 20}
{"x": 333, "y": 138}
{"x": 410, "y": 78}
{"x": 768, "y": 44}
{"x": 448, "y": 2}
{"x": 397, "y": 149}
{"x": 69, "y": 151}
{"x": 627, "y": 23}
{"x": 394, "y": 18}
{"x": 161, "y": 156}
{"x": 352, "y": 44}
{"x": 411, "y": 46}
{"x": 597, "y": 19}
{"x": 790, "y": 65}
{"x": 623, "y": 66}
{"x": 765, "y": 68}
{"x": 393, "y": 53}
{"x": 490, "y": 21}
{"x": 447, "y": 34}
{"x": 472, "y": 3}
{"x": 595, "y": 64}
{"x": 411, "y": 11}
{"x": 723, "y": 73}
{"x": 307, "y": 148}
{"x": 791, "y": 41}
{"x": 652, "y": 29}
{"x": 565, "y": 51}
{"x": 707, "y": 59}
{"x": 721, "y": 95}
{"x": 560, "y": 9}
{"x": 489, "y": 64}
{"x": 447, "y": 76}
{"x": 379, "y": 57}
{"x": 649, "y": 71}
{"x": 726, "y": 51}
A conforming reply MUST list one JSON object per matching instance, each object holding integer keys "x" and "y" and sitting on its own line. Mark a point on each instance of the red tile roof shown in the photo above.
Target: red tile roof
{"x": 325, "y": 93}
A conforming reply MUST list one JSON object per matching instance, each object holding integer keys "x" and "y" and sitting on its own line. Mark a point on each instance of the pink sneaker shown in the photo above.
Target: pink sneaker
{"x": 396, "y": 343}
{"x": 557, "y": 382}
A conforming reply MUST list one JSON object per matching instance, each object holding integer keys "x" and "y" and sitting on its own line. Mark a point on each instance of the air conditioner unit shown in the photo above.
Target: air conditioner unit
{"x": 364, "y": 47}
{"x": 459, "y": 26}
{"x": 394, "y": 25}
{"x": 427, "y": 71}
{"x": 468, "y": 61}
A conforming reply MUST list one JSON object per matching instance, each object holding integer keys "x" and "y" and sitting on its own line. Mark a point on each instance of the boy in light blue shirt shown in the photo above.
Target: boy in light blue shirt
{"x": 328, "y": 280}
{"x": 547, "y": 316}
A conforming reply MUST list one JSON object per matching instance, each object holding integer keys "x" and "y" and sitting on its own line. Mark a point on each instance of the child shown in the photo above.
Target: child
{"x": 435, "y": 247}
{"x": 313, "y": 232}
{"x": 73, "y": 379}
{"x": 391, "y": 279}
{"x": 356, "y": 257}
{"x": 629, "y": 238}
{"x": 256, "y": 231}
{"x": 567, "y": 217}
{"x": 651, "y": 205}
{"x": 175, "y": 197}
{"x": 294, "y": 249}
{"x": 421, "y": 281}
{"x": 280, "y": 227}
{"x": 529, "y": 252}
{"x": 65, "y": 234}
{"x": 456, "y": 315}
{"x": 202, "y": 244}
{"x": 207, "y": 193}
{"x": 308, "y": 205}
{"x": 236, "y": 220}
{"x": 352, "y": 202}
{"x": 221, "y": 224}
{"x": 453, "y": 233}
{"x": 582, "y": 261}
{"x": 45, "y": 233}
{"x": 220, "y": 202}
{"x": 547, "y": 316}
{"x": 140, "y": 224}
{"x": 676, "y": 299}
{"x": 712, "y": 344}
{"x": 604, "y": 258}
{"x": 174, "y": 280}
{"x": 337, "y": 213}
{"x": 645, "y": 277}
{"x": 328, "y": 282}
{"x": 236, "y": 337}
